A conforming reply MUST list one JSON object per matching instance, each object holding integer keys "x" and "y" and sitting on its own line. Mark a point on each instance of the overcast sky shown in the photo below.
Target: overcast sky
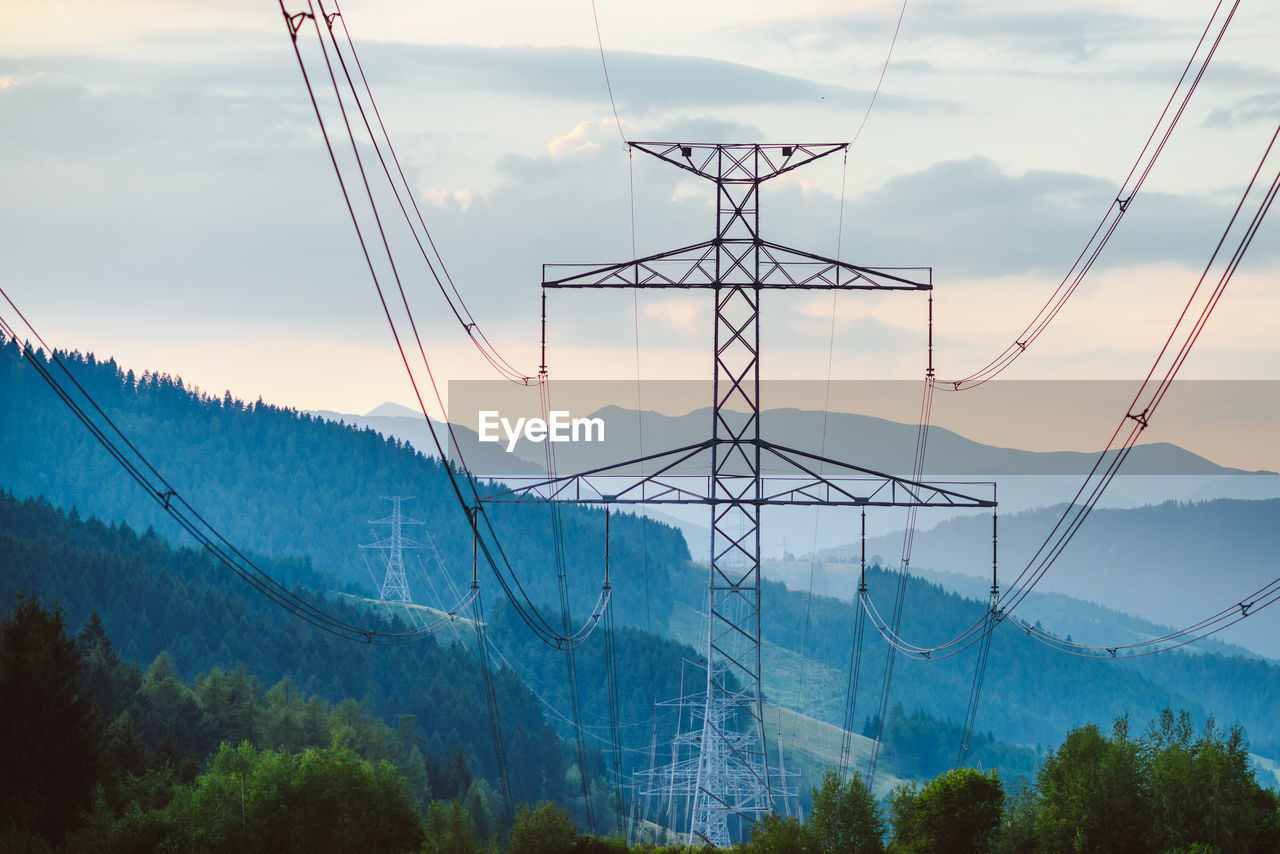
{"x": 167, "y": 199}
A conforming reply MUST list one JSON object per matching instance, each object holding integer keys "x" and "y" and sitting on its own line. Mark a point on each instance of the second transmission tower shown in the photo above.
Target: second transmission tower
{"x": 395, "y": 585}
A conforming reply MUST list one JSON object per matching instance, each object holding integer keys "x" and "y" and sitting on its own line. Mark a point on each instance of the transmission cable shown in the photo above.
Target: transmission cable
{"x": 481, "y": 523}
{"x": 611, "y": 688}
{"x": 822, "y": 453}
{"x": 1111, "y": 218}
{"x": 551, "y": 638}
{"x": 975, "y": 687}
{"x": 491, "y": 705}
{"x": 855, "y": 663}
{"x": 1135, "y": 420}
{"x": 855, "y": 659}
{"x": 457, "y": 305}
{"x": 883, "y": 70}
{"x": 610, "y": 659}
{"x": 562, "y": 584}
{"x": 1242, "y": 608}
{"x": 904, "y": 566}
{"x": 136, "y": 464}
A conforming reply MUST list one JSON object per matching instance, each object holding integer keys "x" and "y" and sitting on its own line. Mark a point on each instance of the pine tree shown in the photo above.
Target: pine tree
{"x": 845, "y": 818}
{"x": 52, "y": 747}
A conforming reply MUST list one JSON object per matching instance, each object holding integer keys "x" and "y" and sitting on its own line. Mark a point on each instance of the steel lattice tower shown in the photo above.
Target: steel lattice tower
{"x": 395, "y": 585}
{"x": 731, "y": 775}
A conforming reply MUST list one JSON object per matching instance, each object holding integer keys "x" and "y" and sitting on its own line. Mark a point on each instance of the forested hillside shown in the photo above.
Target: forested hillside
{"x": 280, "y": 483}
{"x": 156, "y": 600}
{"x": 182, "y": 606}
{"x": 1032, "y": 694}
{"x": 1174, "y": 563}
{"x": 101, "y": 755}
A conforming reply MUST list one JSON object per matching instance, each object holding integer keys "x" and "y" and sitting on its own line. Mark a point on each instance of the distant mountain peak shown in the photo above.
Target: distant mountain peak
{"x": 392, "y": 410}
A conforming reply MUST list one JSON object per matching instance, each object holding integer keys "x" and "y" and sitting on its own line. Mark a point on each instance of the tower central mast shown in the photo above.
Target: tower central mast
{"x": 730, "y": 777}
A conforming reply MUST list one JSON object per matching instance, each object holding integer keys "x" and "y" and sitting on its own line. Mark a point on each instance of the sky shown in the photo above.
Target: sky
{"x": 168, "y": 200}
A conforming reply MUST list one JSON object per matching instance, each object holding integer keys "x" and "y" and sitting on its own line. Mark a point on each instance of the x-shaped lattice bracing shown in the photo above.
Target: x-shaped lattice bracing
{"x": 728, "y": 471}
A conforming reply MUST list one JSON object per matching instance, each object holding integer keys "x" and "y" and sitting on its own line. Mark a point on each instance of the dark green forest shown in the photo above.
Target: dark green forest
{"x": 184, "y": 606}
{"x": 115, "y": 759}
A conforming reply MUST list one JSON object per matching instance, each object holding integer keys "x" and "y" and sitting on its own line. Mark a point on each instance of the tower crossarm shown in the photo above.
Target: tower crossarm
{"x": 694, "y": 266}
{"x": 738, "y": 162}
{"x": 679, "y": 477}
{"x": 880, "y": 489}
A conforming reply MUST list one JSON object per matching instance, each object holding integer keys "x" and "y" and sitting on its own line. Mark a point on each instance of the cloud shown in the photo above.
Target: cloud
{"x": 1255, "y": 108}
{"x": 1077, "y": 34}
{"x": 202, "y": 189}
{"x": 969, "y": 217}
{"x": 684, "y": 314}
{"x": 183, "y": 189}
{"x": 576, "y": 139}
{"x": 1118, "y": 324}
{"x": 78, "y": 107}
{"x": 642, "y": 82}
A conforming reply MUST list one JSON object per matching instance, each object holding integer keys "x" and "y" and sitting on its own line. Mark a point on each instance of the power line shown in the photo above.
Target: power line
{"x": 855, "y": 663}
{"x": 1110, "y": 221}
{"x": 457, "y": 305}
{"x": 562, "y": 584}
{"x": 904, "y": 566}
{"x": 1131, "y": 425}
{"x": 1136, "y": 419}
{"x": 565, "y": 640}
{"x": 610, "y": 660}
{"x": 883, "y": 70}
{"x": 139, "y": 467}
{"x": 492, "y": 707}
{"x": 488, "y": 542}
{"x": 611, "y": 688}
{"x": 822, "y": 448}
{"x": 604, "y": 66}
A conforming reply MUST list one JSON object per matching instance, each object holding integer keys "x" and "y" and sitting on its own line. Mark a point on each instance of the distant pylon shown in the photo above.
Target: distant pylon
{"x": 395, "y": 585}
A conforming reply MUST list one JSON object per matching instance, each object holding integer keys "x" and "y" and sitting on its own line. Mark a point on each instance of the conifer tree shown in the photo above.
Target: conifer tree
{"x": 51, "y": 747}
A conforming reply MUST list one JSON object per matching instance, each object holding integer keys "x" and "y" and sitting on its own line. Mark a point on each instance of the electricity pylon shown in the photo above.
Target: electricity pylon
{"x": 730, "y": 775}
{"x": 395, "y": 585}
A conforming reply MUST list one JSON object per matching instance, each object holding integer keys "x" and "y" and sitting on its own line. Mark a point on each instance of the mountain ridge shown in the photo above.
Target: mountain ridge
{"x": 890, "y": 443}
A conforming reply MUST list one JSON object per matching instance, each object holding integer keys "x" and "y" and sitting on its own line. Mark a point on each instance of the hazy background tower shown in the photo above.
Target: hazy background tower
{"x": 395, "y": 584}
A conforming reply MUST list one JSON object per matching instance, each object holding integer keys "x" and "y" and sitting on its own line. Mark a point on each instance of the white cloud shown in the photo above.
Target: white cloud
{"x": 577, "y": 140}
{"x": 196, "y": 183}
{"x": 686, "y": 314}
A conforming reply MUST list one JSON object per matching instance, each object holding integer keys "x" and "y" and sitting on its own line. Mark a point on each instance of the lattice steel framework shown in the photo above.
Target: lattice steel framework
{"x": 732, "y": 775}
{"x": 395, "y": 585}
